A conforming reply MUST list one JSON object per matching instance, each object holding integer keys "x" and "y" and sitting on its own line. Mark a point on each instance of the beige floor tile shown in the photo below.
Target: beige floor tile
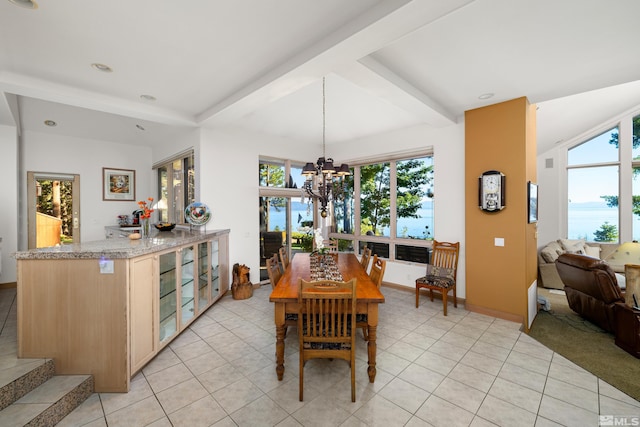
{"x": 472, "y": 377}
{"x": 168, "y": 377}
{"x": 261, "y": 412}
{"x": 381, "y": 412}
{"x": 482, "y": 363}
{"x": 608, "y": 390}
{"x": 572, "y": 394}
{"x": 447, "y": 350}
{"x": 458, "y": 339}
{"x": 441, "y": 413}
{"x": 565, "y": 413}
{"x": 460, "y": 394}
{"x": 141, "y": 413}
{"x": 609, "y": 406}
{"x": 435, "y": 362}
{"x": 523, "y": 376}
{"x": 316, "y": 413}
{"x": 200, "y": 413}
{"x": 491, "y": 350}
{"x": 516, "y": 394}
{"x": 503, "y": 413}
{"x": 421, "y": 377}
{"x": 529, "y": 362}
{"x": 405, "y": 350}
{"x": 404, "y": 394}
{"x": 139, "y": 389}
{"x": 181, "y": 395}
{"x": 574, "y": 375}
{"x": 236, "y": 395}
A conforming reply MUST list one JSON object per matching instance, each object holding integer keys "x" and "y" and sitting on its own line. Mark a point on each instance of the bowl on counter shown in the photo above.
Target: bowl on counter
{"x": 165, "y": 226}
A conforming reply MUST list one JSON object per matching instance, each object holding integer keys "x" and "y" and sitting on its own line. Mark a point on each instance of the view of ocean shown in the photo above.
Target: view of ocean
{"x": 584, "y": 219}
{"x": 414, "y": 226}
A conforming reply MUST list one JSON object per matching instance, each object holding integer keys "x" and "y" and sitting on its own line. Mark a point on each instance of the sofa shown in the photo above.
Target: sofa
{"x": 547, "y": 272}
{"x": 627, "y": 321}
{"x": 591, "y": 287}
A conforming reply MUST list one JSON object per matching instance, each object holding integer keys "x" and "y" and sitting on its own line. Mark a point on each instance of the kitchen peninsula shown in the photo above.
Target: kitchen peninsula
{"x": 107, "y": 307}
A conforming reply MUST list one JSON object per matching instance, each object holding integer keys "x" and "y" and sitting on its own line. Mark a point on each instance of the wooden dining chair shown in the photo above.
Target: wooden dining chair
{"x": 376, "y": 274}
{"x": 273, "y": 270}
{"x": 284, "y": 257}
{"x": 326, "y": 324}
{"x": 441, "y": 272}
{"x": 377, "y": 270}
{"x": 366, "y": 256}
{"x": 332, "y": 245}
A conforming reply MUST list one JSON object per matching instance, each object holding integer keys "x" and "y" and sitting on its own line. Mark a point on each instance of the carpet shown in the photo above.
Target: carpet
{"x": 585, "y": 344}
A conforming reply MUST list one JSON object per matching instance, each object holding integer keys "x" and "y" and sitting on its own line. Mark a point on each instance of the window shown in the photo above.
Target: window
{"x": 176, "y": 187}
{"x": 593, "y": 189}
{"x": 394, "y": 213}
{"x": 386, "y": 205}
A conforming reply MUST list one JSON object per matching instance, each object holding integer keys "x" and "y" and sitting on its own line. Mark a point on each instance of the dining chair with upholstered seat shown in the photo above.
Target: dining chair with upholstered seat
{"x": 441, "y": 272}
{"x": 376, "y": 274}
{"x": 326, "y": 324}
{"x": 366, "y": 256}
{"x": 284, "y": 257}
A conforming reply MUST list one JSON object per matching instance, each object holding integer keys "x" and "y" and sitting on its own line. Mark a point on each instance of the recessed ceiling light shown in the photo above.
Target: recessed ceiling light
{"x": 486, "y": 96}
{"x": 101, "y": 67}
{"x": 27, "y": 4}
{"x": 50, "y": 123}
{"x": 140, "y": 127}
{"x": 148, "y": 97}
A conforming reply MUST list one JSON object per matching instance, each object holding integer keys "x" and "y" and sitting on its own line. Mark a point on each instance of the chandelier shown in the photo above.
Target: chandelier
{"x": 324, "y": 181}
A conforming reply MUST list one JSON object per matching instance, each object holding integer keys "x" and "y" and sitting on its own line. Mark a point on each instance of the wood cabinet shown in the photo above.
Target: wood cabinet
{"x": 111, "y": 321}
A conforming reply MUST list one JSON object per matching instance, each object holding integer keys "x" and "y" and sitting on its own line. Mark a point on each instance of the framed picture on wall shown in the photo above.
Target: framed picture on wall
{"x": 532, "y": 192}
{"x": 118, "y": 184}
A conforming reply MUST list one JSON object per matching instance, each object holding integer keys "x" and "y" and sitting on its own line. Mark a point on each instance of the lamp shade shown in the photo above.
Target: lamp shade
{"x": 309, "y": 169}
{"x": 343, "y": 170}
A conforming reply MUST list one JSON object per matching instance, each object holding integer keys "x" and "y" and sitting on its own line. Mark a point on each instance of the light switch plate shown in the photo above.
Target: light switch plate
{"x": 106, "y": 266}
{"x": 499, "y": 241}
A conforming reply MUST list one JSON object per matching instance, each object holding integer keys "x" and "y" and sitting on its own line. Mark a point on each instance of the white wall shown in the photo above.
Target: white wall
{"x": 549, "y": 196}
{"x": 86, "y": 157}
{"x": 229, "y": 185}
{"x": 9, "y": 196}
{"x": 448, "y": 148}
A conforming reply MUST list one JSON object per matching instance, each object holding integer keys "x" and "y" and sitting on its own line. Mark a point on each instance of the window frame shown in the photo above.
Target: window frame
{"x": 189, "y": 193}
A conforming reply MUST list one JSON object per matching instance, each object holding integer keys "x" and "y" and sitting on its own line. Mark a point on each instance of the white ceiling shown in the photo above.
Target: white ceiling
{"x": 258, "y": 64}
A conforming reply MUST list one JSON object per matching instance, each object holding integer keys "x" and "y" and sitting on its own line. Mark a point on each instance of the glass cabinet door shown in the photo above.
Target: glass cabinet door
{"x": 215, "y": 269}
{"x": 168, "y": 297}
{"x": 188, "y": 284}
{"x": 204, "y": 293}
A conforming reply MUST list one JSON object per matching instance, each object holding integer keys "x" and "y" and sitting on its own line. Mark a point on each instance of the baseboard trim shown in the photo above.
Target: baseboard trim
{"x": 10, "y": 285}
{"x": 436, "y": 295}
{"x": 495, "y": 313}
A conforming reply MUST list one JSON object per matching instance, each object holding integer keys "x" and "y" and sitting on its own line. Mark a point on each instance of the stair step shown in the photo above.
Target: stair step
{"x": 48, "y": 403}
{"x": 20, "y": 376}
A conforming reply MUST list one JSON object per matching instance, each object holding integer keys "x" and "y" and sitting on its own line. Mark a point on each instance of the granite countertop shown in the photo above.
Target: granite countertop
{"x": 122, "y": 247}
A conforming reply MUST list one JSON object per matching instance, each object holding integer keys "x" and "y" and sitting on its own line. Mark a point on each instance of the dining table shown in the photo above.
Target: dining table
{"x": 285, "y": 299}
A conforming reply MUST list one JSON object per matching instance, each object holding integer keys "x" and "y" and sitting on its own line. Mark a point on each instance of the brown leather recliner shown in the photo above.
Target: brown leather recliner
{"x": 591, "y": 288}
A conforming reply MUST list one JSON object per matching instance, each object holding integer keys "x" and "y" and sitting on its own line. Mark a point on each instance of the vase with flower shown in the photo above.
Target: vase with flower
{"x": 145, "y": 215}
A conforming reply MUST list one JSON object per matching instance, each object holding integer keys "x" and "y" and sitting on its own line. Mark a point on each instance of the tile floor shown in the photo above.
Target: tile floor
{"x": 465, "y": 369}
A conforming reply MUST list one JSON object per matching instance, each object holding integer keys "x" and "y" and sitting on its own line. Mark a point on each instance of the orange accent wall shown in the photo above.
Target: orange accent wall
{"x": 500, "y": 137}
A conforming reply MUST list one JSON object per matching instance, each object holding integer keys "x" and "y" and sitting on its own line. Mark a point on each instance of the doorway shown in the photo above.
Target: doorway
{"x": 284, "y": 221}
{"x": 53, "y": 209}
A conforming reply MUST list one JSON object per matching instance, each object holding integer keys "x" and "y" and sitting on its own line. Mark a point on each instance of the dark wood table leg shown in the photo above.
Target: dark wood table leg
{"x": 280, "y": 333}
